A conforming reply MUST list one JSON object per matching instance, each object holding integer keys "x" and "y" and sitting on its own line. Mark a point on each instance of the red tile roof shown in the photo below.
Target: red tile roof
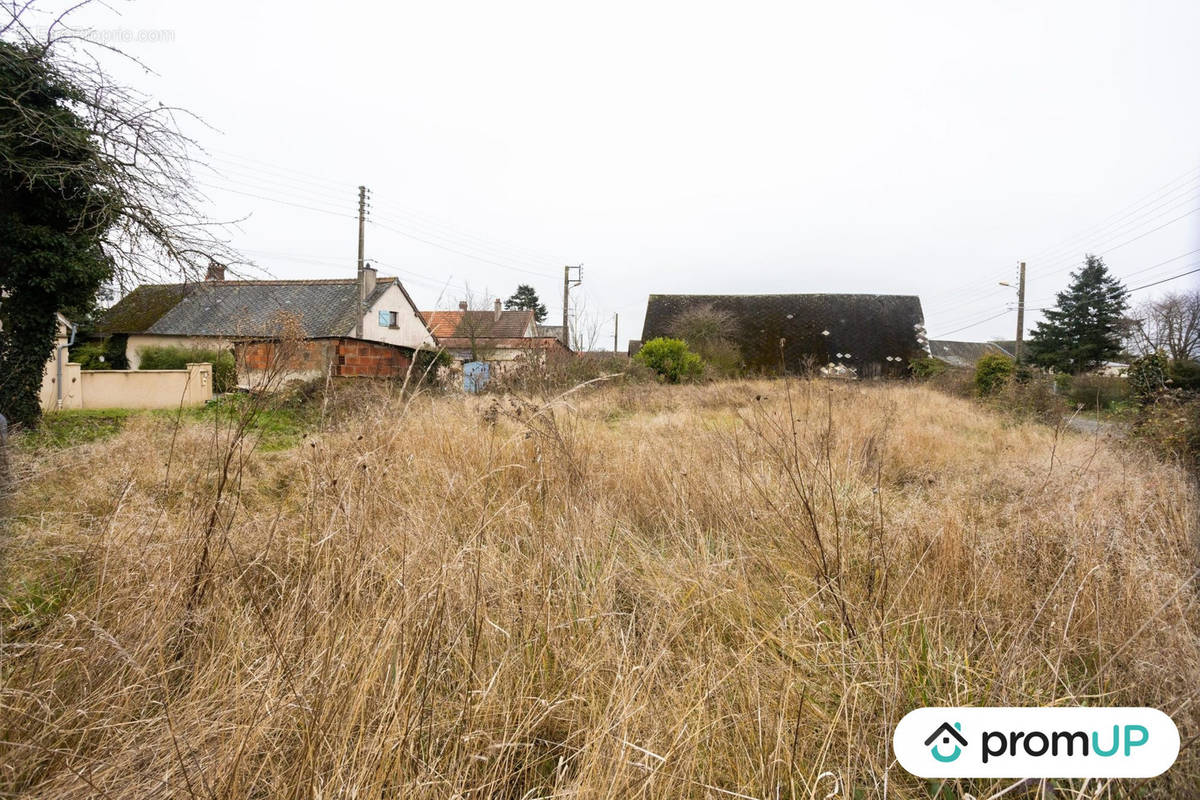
{"x": 478, "y": 324}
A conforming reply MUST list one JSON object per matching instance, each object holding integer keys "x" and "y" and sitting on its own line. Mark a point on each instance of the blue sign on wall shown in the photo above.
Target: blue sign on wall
{"x": 475, "y": 376}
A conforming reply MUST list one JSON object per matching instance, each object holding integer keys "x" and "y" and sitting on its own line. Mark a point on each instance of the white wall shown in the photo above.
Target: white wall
{"x": 410, "y": 331}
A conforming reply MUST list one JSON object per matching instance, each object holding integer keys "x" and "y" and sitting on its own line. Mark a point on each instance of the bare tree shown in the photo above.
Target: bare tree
{"x": 1170, "y": 323}
{"x": 585, "y": 325}
{"x": 710, "y": 332}
{"x": 477, "y": 324}
{"x": 95, "y": 181}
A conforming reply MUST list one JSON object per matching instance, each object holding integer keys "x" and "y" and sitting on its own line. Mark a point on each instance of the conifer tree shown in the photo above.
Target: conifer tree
{"x": 1086, "y": 327}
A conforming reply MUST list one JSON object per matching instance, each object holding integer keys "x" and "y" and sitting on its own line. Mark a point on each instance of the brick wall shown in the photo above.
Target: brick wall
{"x": 349, "y": 358}
{"x": 359, "y": 359}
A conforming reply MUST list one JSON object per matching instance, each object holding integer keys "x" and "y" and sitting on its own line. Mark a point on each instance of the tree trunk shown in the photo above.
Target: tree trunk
{"x": 26, "y": 343}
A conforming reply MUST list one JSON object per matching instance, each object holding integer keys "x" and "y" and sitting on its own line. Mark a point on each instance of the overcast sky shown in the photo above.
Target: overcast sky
{"x": 739, "y": 147}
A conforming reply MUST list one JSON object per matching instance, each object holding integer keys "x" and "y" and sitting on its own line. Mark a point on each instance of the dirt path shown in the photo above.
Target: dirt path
{"x": 1090, "y": 425}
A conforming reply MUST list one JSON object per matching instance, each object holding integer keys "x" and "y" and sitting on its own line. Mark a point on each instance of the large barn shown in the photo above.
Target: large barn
{"x": 867, "y": 335}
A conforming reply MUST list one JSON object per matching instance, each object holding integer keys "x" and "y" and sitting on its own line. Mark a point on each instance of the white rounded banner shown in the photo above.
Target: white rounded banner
{"x": 998, "y": 742}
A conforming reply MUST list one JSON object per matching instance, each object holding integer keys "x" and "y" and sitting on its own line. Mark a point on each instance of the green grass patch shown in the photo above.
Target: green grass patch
{"x": 276, "y": 427}
{"x": 69, "y": 428}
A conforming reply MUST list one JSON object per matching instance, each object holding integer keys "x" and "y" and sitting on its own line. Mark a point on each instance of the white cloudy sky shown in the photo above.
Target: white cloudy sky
{"x": 735, "y": 147}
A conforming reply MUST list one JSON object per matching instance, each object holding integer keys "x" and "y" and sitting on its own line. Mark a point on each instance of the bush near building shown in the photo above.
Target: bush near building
{"x": 670, "y": 359}
{"x": 224, "y": 367}
{"x": 992, "y": 371}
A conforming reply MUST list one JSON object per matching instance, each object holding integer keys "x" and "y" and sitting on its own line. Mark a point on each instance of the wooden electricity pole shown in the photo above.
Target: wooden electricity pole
{"x": 361, "y": 284}
{"x": 567, "y": 284}
{"x": 616, "y": 329}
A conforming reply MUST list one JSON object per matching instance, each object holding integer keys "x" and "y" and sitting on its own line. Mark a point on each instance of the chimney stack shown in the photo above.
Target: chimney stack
{"x": 462, "y": 305}
{"x": 369, "y": 278}
{"x": 498, "y": 310}
{"x": 216, "y": 272}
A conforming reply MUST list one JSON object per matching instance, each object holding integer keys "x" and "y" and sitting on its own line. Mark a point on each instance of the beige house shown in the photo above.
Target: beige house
{"x": 216, "y": 313}
{"x": 499, "y": 337}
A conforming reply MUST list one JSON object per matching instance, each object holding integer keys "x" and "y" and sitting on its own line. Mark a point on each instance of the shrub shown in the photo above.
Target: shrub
{"x": 1031, "y": 399}
{"x": 106, "y": 353}
{"x": 670, "y": 359}
{"x": 1092, "y": 391}
{"x": 925, "y": 368}
{"x": 1148, "y": 376}
{"x": 91, "y": 355}
{"x": 991, "y": 372}
{"x": 173, "y": 357}
{"x": 1184, "y": 374}
{"x": 1171, "y": 428}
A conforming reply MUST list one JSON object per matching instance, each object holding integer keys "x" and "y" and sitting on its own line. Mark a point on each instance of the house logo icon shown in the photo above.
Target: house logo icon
{"x": 945, "y": 732}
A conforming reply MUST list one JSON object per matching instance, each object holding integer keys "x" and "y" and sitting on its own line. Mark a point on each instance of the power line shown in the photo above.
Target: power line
{"x": 433, "y": 238}
{"x": 1107, "y": 227}
{"x": 973, "y": 324}
{"x": 459, "y": 252}
{"x": 1121, "y": 214}
{"x": 277, "y": 200}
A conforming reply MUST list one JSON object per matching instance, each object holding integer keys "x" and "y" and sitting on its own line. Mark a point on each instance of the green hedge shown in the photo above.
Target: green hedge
{"x": 171, "y": 357}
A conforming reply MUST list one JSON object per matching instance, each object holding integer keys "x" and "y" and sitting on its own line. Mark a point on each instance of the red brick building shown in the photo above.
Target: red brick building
{"x": 264, "y": 361}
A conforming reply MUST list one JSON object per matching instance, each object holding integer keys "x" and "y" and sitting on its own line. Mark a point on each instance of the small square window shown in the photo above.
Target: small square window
{"x": 385, "y": 319}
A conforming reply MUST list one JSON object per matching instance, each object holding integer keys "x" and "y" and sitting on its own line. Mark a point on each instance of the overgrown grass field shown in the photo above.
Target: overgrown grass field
{"x": 731, "y": 590}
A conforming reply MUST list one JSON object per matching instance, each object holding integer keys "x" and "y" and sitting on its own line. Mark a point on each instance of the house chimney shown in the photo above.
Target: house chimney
{"x": 498, "y": 310}
{"x": 216, "y": 272}
{"x": 369, "y": 276}
{"x": 462, "y": 305}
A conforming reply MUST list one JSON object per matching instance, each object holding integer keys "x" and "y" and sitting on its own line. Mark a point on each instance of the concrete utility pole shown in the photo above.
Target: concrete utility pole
{"x": 616, "y": 328}
{"x": 362, "y": 297}
{"x": 567, "y": 284}
{"x": 1020, "y": 313}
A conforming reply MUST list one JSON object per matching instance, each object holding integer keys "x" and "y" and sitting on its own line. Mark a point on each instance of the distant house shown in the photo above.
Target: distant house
{"x": 495, "y": 335}
{"x": 964, "y": 354}
{"x": 216, "y": 313}
{"x": 865, "y": 335}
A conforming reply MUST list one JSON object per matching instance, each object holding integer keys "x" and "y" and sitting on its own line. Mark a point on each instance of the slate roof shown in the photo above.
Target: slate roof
{"x": 963, "y": 354}
{"x": 240, "y": 308}
{"x": 480, "y": 324}
{"x": 857, "y": 330}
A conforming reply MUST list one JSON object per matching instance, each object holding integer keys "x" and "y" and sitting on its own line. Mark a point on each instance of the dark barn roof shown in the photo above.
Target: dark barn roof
{"x": 239, "y": 308}
{"x": 874, "y": 334}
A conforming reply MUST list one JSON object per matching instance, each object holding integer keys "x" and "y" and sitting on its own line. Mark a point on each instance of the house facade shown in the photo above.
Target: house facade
{"x": 217, "y": 314}
{"x": 496, "y": 336}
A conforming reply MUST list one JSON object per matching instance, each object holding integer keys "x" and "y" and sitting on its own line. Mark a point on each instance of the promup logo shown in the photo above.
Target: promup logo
{"x": 946, "y": 732}
{"x": 1036, "y": 742}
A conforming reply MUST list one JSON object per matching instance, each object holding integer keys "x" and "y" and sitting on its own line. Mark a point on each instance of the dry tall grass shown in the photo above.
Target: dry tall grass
{"x": 726, "y": 591}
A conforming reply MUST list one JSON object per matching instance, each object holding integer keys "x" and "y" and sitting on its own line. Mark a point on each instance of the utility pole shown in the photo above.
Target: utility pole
{"x": 567, "y": 284}
{"x": 616, "y": 328}
{"x": 362, "y": 284}
{"x": 1020, "y": 313}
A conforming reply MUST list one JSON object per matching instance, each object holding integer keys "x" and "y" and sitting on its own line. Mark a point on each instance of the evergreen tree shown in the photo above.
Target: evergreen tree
{"x": 525, "y": 298}
{"x": 54, "y": 208}
{"x": 1086, "y": 327}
